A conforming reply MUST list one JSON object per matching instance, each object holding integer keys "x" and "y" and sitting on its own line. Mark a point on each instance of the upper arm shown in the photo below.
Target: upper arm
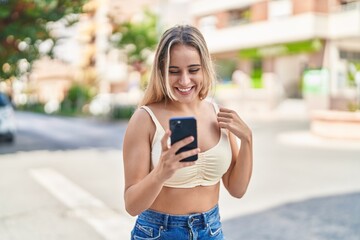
{"x": 234, "y": 152}
{"x": 137, "y": 147}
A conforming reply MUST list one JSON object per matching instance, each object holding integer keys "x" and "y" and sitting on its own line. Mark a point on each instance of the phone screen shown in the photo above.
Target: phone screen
{"x": 182, "y": 127}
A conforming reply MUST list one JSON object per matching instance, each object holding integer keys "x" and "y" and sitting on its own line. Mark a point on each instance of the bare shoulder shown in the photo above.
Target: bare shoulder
{"x": 209, "y": 107}
{"x": 156, "y": 107}
{"x": 140, "y": 126}
{"x": 210, "y": 103}
{"x": 139, "y": 114}
{"x": 140, "y": 120}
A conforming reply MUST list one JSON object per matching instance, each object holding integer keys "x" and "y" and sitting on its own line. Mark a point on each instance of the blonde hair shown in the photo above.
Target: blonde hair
{"x": 159, "y": 88}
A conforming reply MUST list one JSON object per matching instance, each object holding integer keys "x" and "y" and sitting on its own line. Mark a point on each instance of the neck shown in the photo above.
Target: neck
{"x": 186, "y": 108}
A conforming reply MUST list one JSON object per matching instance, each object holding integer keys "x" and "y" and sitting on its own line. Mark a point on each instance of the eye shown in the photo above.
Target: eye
{"x": 174, "y": 72}
{"x": 194, "y": 70}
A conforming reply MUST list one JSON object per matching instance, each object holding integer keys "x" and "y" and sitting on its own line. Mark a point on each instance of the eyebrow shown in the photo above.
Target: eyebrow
{"x": 192, "y": 65}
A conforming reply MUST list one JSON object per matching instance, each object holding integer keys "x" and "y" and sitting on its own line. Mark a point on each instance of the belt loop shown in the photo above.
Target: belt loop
{"x": 204, "y": 215}
{"x": 166, "y": 219}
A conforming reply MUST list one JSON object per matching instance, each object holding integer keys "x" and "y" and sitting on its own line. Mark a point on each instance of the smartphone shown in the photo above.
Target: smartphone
{"x": 182, "y": 127}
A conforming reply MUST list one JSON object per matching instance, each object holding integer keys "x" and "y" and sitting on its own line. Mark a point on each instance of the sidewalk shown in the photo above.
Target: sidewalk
{"x": 288, "y": 109}
{"x": 303, "y": 186}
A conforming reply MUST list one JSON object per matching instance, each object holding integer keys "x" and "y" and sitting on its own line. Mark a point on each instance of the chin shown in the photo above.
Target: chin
{"x": 189, "y": 99}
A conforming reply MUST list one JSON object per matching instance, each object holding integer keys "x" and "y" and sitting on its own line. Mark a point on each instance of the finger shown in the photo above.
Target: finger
{"x": 187, "y": 164}
{"x": 232, "y": 115}
{"x": 226, "y": 114}
{"x": 223, "y": 125}
{"x": 225, "y": 110}
{"x": 164, "y": 140}
{"x": 224, "y": 119}
{"x": 183, "y": 142}
{"x": 187, "y": 154}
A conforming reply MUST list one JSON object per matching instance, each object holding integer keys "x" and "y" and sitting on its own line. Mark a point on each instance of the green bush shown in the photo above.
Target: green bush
{"x": 353, "y": 107}
{"x": 31, "y": 107}
{"x": 122, "y": 112}
{"x": 75, "y": 100}
{"x": 256, "y": 78}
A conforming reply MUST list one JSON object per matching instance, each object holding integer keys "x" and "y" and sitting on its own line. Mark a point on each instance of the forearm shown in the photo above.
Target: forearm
{"x": 240, "y": 174}
{"x": 141, "y": 195}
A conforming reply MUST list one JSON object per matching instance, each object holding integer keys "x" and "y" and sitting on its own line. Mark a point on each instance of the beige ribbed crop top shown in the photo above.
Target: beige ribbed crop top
{"x": 208, "y": 169}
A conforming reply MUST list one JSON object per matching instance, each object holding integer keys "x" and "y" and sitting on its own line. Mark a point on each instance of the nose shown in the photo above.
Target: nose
{"x": 184, "y": 78}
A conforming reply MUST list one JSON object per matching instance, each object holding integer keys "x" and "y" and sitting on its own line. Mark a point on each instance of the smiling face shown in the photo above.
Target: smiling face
{"x": 185, "y": 73}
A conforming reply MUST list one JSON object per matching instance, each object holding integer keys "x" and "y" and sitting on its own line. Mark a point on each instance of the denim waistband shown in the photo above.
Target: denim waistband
{"x": 180, "y": 220}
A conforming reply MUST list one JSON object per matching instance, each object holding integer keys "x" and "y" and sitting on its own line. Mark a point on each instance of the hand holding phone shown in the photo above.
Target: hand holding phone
{"x": 182, "y": 127}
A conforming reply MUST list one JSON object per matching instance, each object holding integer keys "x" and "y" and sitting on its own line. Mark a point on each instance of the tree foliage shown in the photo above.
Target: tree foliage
{"x": 77, "y": 96}
{"x": 137, "y": 38}
{"x": 24, "y": 25}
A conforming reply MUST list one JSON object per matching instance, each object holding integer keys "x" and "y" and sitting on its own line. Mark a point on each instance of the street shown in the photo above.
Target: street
{"x": 63, "y": 179}
{"x": 41, "y": 132}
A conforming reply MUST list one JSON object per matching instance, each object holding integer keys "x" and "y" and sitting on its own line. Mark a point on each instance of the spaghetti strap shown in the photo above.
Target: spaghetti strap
{"x": 216, "y": 107}
{"x": 153, "y": 117}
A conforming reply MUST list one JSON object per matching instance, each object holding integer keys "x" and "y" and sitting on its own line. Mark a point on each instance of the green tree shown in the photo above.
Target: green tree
{"x": 24, "y": 25}
{"x": 137, "y": 38}
{"x": 353, "y": 69}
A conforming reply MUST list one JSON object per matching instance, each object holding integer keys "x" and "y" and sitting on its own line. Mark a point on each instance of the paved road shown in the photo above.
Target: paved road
{"x": 43, "y": 132}
{"x": 325, "y": 218}
{"x": 63, "y": 180}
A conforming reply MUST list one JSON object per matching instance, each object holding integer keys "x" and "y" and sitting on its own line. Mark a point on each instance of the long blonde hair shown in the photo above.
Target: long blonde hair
{"x": 159, "y": 88}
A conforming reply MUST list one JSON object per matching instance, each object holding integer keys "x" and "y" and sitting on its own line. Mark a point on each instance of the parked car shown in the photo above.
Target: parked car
{"x": 7, "y": 119}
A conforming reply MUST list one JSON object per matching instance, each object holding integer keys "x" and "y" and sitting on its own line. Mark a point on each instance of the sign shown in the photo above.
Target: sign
{"x": 281, "y": 49}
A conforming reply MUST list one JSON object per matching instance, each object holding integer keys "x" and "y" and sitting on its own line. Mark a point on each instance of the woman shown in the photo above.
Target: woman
{"x": 179, "y": 200}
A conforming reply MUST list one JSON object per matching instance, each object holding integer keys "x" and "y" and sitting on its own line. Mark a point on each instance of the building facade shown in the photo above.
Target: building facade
{"x": 310, "y": 47}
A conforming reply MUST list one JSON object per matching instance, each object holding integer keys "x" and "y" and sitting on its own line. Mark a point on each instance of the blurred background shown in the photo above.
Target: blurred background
{"x": 73, "y": 72}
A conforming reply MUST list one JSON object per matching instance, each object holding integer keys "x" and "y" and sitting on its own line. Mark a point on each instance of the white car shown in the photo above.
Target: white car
{"x": 7, "y": 119}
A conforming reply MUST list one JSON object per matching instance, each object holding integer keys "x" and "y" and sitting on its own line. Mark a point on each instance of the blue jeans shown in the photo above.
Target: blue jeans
{"x": 155, "y": 225}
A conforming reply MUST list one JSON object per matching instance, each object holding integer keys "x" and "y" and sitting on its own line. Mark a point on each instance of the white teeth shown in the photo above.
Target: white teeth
{"x": 184, "y": 89}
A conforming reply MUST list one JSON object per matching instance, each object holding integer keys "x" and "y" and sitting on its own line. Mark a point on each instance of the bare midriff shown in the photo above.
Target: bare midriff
{"x": 181, "y": 201}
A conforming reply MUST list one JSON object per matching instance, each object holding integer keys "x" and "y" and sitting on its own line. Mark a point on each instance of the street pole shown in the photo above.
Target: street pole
{"x": 357, "y": 80}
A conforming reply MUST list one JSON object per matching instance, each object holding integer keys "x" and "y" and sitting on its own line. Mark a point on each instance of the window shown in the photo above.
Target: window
{"x": 207, "y": 23}
{"x": 239, "y": 16}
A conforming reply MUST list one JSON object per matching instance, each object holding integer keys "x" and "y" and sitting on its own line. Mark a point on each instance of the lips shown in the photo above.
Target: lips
{"x": 184, "y": 91}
